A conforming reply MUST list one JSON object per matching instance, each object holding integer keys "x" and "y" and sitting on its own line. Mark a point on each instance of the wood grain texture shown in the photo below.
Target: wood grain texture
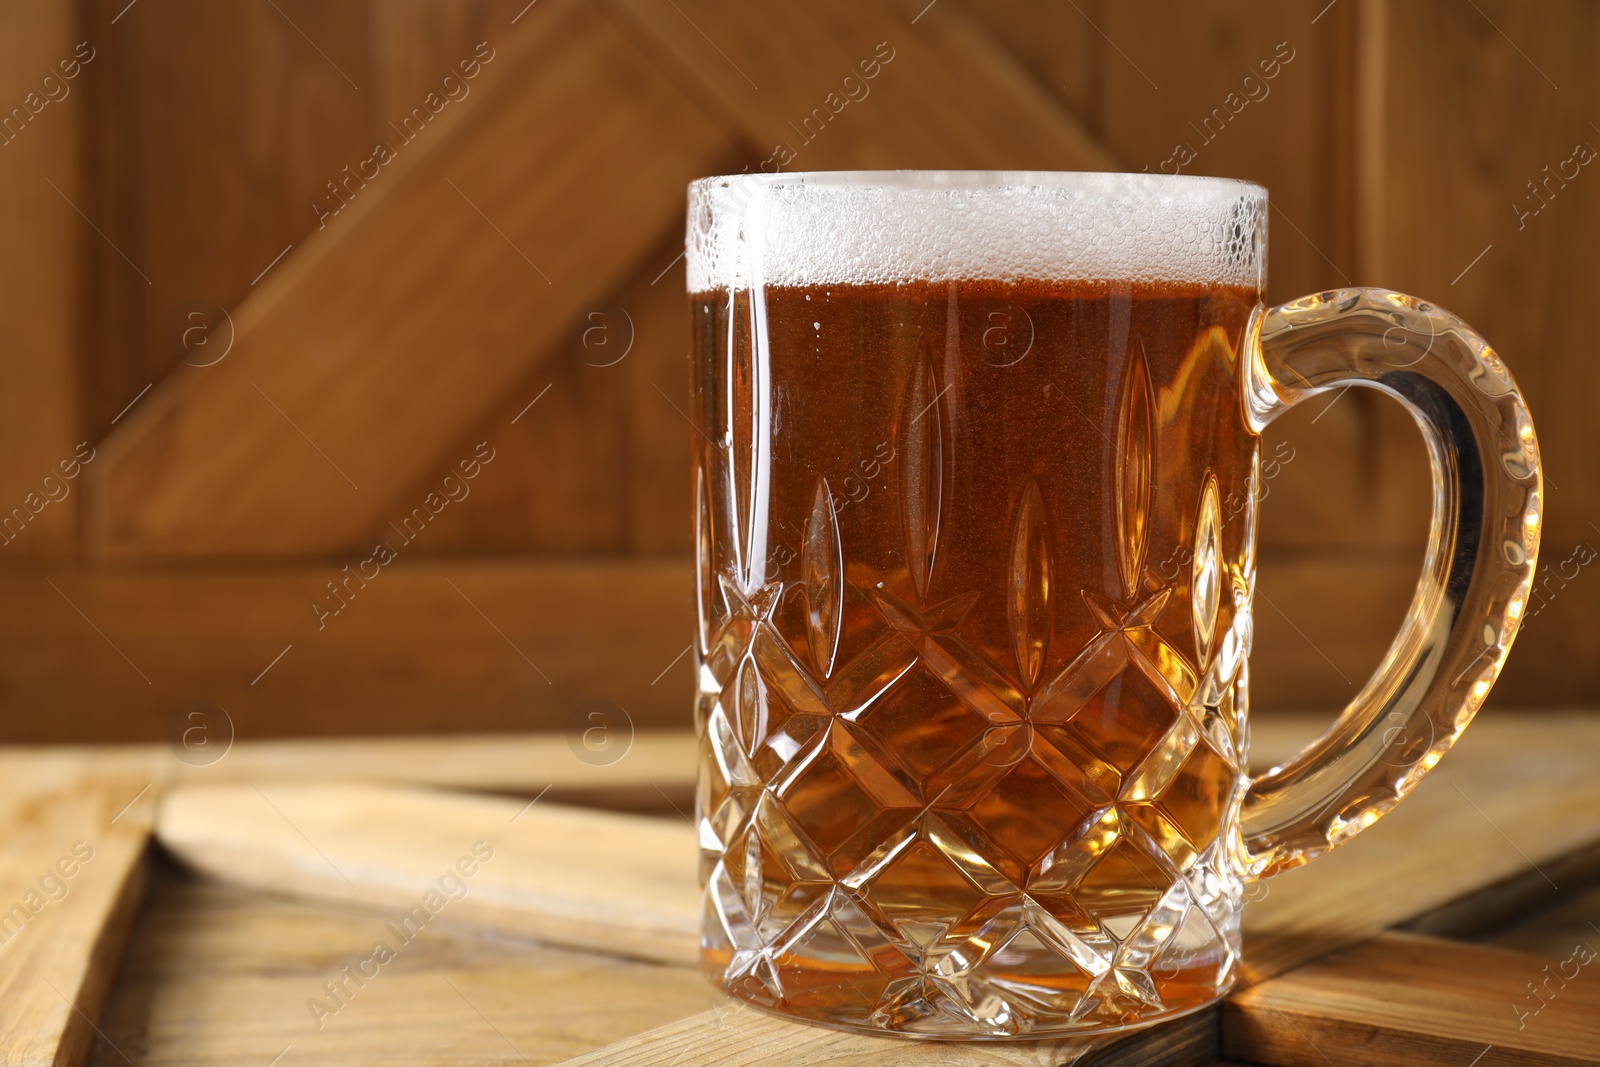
{"x": 525, "y": 764}
{"x": 731, "y": 1035}
{"x": 346, "y": 381}
{"x": 947, "y": 96}
{"x": 1057, "y": 43}
{"x": 71, "y": 850}
{"x": 1500, "y": 93}
{"x": 228, "y": 976}
{"x": 1516, "y": 791}
{"x": 43, "y": 273}
{"x": 1323, "y": 624}
{"x": 1401, "y": 1000}
{"x": 600, "y": 462}
{"x": 216, "y": 126}
{"x": 410, "y": 652}
{"x": 224, "y": 976}
{"x": 1528, "y": 910}
{"x": 1528, "y": 776}
{"x": 619, "y": 884}
{"x": 216, "y": 129}
{"x": 1554, "y": 930}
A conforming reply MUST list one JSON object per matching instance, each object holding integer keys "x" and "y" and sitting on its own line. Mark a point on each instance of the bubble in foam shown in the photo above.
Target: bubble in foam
{"x": 898, "y": 226}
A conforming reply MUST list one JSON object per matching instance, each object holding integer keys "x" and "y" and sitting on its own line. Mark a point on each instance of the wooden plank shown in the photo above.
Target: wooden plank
{"x": 661, "y": 505}
{"x": 345, "y": 381}
{"x": 43, "y": 272}
{"x": 216, "y": 127}
{"x": 71, "y": 871}
{"x": 1527, "y": 909}
{"x": 1401, "y": 1000}
{"x": 944, "y": 94}
{"x": 408, "y": 653}
{"x": 546, "y": 495}
{"x": 526, "y": 764}
{"x": 620, "y": 884}
{"x": 1506, "y": 92}
{"x": 229, "y": 977}
{"x": 735, "y": 1036}
{"x": 414, "y": 44}
{"x": 1554, "y": 930}
{"x": 1323, "y": 624}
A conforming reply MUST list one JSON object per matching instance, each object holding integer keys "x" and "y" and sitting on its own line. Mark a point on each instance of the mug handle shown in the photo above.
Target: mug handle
{"x": 1476, "y": 573}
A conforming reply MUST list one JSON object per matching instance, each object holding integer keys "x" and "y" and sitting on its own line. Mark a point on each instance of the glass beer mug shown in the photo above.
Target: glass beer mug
{"x": 976, "y": 480}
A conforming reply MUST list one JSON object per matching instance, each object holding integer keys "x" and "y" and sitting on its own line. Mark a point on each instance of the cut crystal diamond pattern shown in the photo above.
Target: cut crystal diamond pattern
{"x": 902, "y": 831}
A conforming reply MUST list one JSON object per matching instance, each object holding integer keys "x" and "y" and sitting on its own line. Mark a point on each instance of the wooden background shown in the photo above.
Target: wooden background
{"x": 335, "y": 370}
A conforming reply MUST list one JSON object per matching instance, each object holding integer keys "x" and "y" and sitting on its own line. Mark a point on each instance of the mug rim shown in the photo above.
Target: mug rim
{"x": 1108, "y": 183}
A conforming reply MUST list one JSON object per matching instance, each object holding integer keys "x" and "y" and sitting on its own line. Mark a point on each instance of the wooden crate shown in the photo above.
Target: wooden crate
{"x": 351, "y": 361}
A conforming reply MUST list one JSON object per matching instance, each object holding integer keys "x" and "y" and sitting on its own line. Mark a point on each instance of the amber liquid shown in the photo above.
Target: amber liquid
{"x": 974, "y": 579}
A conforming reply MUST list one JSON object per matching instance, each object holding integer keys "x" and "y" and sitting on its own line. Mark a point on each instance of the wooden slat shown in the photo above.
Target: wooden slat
{"x": 1506, "y": 91}
{"x": 949, "y": 97}
{"x": 659, "y": 430}
{"x": 227, "y": 977}
{"x": 409, "y": 653}
{"x": 1526, "y": 909}
{"x": 526, "y": 764}
{"x": 734, "y": 1036}
{"x": 1403, "y": 1001}
{"x": 216, "y": 126}
{"x": 622, "y": 884}
{"x": 370, "y": 348}
{"x": 1322, "y": 625}
{"x": 43, "y": 272}
{"x": 1555, "y": 929}
{"x": 626, "y": 487}
{"x": 415, "y": 43}
{"x": 71, "y": 850}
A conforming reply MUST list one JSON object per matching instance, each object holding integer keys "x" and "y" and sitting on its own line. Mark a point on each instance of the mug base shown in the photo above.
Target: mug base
{"x": 1011, "y": 1023}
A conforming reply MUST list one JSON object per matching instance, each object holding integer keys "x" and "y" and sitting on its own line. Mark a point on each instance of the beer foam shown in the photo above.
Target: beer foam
{"x": 882, "y": 227}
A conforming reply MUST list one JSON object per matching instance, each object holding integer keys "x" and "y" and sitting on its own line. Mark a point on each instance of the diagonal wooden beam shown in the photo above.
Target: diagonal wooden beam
{"x": 376, "y": 343}
{"x": 386, "y": 337}
{"x": 943, "y": 94}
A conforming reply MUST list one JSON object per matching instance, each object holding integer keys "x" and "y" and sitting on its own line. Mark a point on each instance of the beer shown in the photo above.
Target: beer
{"x": 975, "y": 564}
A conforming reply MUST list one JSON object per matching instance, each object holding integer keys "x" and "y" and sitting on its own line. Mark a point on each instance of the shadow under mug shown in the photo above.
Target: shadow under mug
{"x": 976, "y": 479}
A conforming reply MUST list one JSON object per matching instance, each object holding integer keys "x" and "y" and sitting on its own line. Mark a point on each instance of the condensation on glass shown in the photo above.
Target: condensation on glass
{"x": 976, "y": 482}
